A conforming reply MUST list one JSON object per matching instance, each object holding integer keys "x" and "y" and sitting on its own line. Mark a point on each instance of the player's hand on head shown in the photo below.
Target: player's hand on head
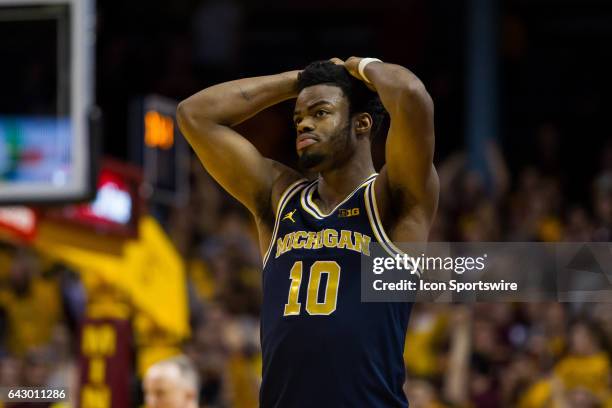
{"x": 352, "y": 66}
{"x": 337, "y": 61}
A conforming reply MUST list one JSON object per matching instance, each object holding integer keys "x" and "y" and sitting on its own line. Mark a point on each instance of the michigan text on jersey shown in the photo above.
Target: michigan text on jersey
{"x": 329, "y": 238}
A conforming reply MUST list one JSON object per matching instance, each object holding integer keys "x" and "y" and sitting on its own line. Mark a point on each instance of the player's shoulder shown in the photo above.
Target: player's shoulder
{"x": 404, "y": 217}
{"x": 284, "y": 178}
{"x": 281, "y": 178}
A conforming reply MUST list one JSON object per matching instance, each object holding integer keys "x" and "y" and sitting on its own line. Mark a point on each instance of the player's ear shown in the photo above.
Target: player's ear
{"x": 363, "y": 123}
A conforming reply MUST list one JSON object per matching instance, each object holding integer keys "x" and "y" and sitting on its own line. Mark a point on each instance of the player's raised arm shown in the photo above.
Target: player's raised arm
{"x": 409, "y": 172}
{"x": 206, "y": 119}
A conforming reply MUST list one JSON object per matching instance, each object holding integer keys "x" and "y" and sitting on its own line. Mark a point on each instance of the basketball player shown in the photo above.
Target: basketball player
{"x": 171, "y": 383}
{"x": 323, "y": 347}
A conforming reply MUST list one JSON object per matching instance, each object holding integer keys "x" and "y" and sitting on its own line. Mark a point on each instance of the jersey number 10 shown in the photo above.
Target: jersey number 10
{"x": 313, "y": 307}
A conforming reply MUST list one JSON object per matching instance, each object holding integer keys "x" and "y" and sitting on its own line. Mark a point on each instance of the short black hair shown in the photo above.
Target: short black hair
{"x": 360, "y": 97}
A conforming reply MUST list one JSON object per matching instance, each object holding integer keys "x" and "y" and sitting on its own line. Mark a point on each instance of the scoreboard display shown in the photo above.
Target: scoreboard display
{"x": 161, "y": 150}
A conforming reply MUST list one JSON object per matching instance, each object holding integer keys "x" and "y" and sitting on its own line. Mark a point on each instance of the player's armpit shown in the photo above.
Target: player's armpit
{"x": 410, "y": 174}
{"x": 410, "y": 216}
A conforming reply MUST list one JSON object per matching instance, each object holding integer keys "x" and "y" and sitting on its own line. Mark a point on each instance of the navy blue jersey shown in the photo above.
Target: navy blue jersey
{"x": 323, "y": 347}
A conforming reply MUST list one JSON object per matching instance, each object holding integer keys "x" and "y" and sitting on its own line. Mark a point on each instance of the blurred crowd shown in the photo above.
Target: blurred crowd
{"x": 482, "y": 355}
{"x": 41, "y": 306}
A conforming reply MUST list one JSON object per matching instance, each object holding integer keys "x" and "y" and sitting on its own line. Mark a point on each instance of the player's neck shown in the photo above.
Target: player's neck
{"x": 335, "y": 185}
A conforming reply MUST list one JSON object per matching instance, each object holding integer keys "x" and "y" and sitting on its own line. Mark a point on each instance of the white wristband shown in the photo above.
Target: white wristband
{"x": 362, "y": 64}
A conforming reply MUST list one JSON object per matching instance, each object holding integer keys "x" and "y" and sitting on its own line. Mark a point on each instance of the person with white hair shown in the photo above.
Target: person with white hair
{"x": 172, "y": 383}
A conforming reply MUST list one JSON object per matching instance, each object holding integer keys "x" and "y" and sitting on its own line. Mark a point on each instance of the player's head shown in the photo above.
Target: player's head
{"x": 335, "y": 114}
{"x": 171, "y": 383}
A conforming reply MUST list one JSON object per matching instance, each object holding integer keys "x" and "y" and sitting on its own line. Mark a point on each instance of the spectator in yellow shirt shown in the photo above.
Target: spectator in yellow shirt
{"x": 31, "y": 302}
{"x": 587, "y": 365}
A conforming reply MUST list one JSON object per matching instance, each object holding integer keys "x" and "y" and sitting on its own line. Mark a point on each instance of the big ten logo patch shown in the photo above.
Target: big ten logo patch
{"x": 348, "y": 212}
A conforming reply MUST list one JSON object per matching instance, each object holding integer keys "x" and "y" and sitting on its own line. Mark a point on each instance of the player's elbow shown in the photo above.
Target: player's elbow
{"x": 182, "y": 111}
{"x": 415, "y": 91}
{"x": 191, "y": 120}
{"x": 413, "y": 97}
{"x": 184, "y": 117}
{"x": 202, "y": 106}
{"x": 189, "y": 110}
